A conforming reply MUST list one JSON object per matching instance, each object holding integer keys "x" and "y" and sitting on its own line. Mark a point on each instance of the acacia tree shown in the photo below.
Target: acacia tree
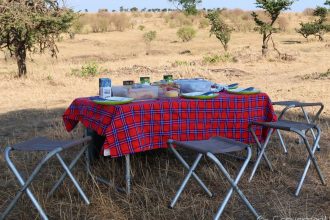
{"x": 319, "y": 26}
{"x": 189, "y": 6}
{"x": 219, "y": 28}
{"x": 32, "y": 25}
{"x": 272, "y": 8}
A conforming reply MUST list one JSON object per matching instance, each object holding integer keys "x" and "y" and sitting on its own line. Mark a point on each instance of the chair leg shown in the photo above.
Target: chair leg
{"x": 233, "y": 184}
{"x": 185, "y": 181}
{"x": 282, "y": 141}
{"x": 24, "y": 186}
{"x": 67, "y": 170}
{"x": 310, "y": 159}
{"x": 262, "y": 152}
{"x": 128, "y": 174}
{"x": 72, "y": 164}
{"x": 259, "y": 146}
{"x": 186, "y": 165}
{"x": 309, "y": 121}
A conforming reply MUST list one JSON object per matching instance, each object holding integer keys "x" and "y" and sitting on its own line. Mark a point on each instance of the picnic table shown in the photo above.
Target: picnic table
{"x": 146, "y": 125}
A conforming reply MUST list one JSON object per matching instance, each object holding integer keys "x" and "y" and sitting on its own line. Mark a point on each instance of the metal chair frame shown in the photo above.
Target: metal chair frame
{"x": 302, "y": 105}
{"x": 51, "y": 153}
{"x": 192, "y": 173}
{"x": 302, "y": 134}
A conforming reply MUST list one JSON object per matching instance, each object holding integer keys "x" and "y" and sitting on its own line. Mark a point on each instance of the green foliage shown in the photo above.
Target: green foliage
{"x": 141, "y": 27}
{"x": 272, "y": 8}
{"x": 215, "y": 58}
{"x": 186, "y": 33}
{"x": 32, "y": 26}
{"x": 148, "y": 37}
{"x": 189, "y": 6}
{"x": 180, "y": 63}
{"x": 88, "y": 70}
{"x": 318, "y": 27}
{"x": 219, "y": 28}
{"x": 321, "y": 12}
{"x": 317, "y": 76}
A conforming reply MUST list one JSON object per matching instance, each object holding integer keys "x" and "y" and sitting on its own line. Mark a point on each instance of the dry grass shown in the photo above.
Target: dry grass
{"x": 34, "y": 105}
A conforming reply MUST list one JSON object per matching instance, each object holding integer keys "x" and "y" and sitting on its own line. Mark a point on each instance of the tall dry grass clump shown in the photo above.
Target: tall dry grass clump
{"x": 104, "y": 22}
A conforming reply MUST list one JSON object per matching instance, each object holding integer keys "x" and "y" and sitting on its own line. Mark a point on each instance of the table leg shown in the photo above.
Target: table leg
{"x": 92, "y": 154}
{"x": 128, "y": 174}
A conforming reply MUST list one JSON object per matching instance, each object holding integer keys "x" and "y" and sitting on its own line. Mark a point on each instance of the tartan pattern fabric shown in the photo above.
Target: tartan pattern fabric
{"x": 147, "y": 125}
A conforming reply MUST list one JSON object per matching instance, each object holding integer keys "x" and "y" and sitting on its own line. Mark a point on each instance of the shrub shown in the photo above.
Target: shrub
{"x": 121, "y": 21}
{"x": 318, "y": 27}
{"x": 148, "y": 37}
{"x": 141, "y": 27}
{"x": 215, "y": 58}
{"x": 186, "y": 33}
{"x": 88, "y": 70}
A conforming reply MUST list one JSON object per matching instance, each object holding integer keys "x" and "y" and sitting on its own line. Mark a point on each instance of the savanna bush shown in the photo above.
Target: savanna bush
{"x": 141, "y": 27}
{"x": 186, "y": 33}
{"x": 120, "y": 21}
{"x": 148, "y": 37}
{"x": 215, "y": 58}
{"x": 90, "y": 69}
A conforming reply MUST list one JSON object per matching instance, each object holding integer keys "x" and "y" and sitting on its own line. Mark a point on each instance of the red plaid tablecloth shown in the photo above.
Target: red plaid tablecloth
{"x": 147, "y": 125}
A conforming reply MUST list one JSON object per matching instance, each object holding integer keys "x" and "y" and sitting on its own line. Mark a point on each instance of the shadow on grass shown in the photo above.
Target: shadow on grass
{"x": 156, "y": 176}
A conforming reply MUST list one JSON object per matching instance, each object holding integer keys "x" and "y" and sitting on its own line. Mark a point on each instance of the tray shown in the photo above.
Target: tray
{"x": 198, "y": 95}
{"x": 111, "y": 101}
{"x": 241, "y": 91}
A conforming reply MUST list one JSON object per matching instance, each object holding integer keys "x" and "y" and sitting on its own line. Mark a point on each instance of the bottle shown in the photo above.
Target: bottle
{"x": 105, "y": 88}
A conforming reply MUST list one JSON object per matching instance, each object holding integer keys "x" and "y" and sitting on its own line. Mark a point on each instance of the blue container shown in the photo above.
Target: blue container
{"x": 105, "y": 88}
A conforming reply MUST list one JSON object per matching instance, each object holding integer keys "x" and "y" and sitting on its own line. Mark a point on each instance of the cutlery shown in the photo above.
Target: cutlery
{"x": 232, "y": 85}
{"x": 207, "y": 93}
{"x": 248, "y": 89}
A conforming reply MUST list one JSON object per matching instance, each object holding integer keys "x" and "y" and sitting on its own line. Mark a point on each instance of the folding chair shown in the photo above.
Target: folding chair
{"x": 54, "y": 148}
{"x": 302, "y": 105}
{"x": 295, "y": 127}
{"x": 210, "y": 147}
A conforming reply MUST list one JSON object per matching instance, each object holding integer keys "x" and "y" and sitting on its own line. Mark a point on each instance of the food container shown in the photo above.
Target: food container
{"x": 128, "y": 83}
{"x": 120, "y": 91}
{"x": 169, "y": 90}
{"x": 194, "y": 85}
{"x": 168, "y": 78}
{"x": 146, "y": 92}
{"x": 105, "y": 88}
{"x": 145, "y": 80}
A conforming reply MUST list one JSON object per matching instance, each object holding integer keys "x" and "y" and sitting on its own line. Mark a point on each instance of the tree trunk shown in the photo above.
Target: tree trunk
{"x": 20, "y": 54}
{"x": 264, "y": 50}
{"x": 225, "y": 46}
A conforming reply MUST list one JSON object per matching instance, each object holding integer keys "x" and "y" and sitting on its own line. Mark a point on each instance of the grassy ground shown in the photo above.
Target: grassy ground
{"x": 33, "y": 106}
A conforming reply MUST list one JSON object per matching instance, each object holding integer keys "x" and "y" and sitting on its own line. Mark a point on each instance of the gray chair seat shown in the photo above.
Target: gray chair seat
{"x": 214, "y": 145}
{"x": 210, "y": 147}
{"x": 45, "y": 144}
{"x": 297, "y": 103}
{"x": 54, "y": 148}
{"x": 286, "y": 125}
